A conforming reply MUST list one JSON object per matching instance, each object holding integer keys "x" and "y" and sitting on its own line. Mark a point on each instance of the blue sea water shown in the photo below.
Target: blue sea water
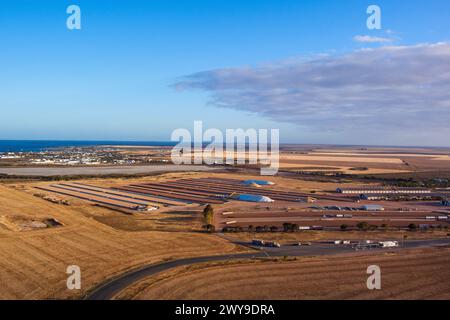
{"x": 42, "y": 145}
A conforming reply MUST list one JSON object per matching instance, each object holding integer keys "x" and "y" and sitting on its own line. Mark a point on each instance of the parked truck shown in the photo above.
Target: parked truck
{"x": 273, "y": 244}
{"x": 388, "y": 244}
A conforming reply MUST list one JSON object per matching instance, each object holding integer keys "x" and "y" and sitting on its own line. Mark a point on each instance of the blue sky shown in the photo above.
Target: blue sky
{"x": 139, "y": 69}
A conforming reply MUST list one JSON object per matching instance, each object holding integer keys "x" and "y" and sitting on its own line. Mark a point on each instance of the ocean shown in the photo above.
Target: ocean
{"x": 42, "y": 145}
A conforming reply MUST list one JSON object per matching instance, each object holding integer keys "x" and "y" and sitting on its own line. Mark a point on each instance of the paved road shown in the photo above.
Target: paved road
{"x": 109, "y": 289}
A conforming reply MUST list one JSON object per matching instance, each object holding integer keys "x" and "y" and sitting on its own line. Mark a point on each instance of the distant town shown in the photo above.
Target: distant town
{"x": 83, "y": 156}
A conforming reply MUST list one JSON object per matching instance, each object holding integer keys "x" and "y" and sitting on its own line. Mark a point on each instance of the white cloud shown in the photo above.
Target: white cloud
{"x": 402, "y": 89}
{"x": 370, "y": 39}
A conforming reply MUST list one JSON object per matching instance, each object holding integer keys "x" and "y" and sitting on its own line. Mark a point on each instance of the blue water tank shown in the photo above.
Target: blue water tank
{"x": 260, "y": 182}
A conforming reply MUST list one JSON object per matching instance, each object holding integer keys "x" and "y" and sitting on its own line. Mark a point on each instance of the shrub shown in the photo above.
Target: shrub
{"x": 363, "y": 226}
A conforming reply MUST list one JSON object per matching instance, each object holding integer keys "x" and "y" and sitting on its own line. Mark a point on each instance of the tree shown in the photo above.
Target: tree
{"x": 363, "y": 226}
{"x": 412, "y": 227}
{"x": 294, "y": 227}
{"x": 273, "y": 229}
{"x": 344, "y": 227}
{"x": 286, "y": 227}
{"x": 210, "y": 228}
{"x": 208, "y": 214}
{"x": 251, "y": 228}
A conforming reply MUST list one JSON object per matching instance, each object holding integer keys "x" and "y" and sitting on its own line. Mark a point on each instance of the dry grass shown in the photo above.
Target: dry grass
{"x": 33, "y": 263}
{"x": 413, "y": 274}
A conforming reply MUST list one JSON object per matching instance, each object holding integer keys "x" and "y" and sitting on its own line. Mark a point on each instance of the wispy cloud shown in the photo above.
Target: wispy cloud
{"x": 370, "y": 39}
{"x": 388, "y": 88}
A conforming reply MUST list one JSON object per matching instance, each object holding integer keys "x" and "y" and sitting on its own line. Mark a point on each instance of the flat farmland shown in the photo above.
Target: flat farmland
{"x": 33, "y": 262}
{"x": 409, "y": 274}
{"x": 106, "y": 170}
{"x": 373, "y": 160}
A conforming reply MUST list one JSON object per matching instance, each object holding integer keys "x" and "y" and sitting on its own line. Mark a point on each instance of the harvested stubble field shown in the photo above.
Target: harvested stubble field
{"x": 33, "y": 262}
{"x": 412, "y": 274}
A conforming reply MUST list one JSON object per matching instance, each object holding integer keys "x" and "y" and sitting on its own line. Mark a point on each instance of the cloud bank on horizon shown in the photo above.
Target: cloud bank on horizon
{"x": 396, "y": 89}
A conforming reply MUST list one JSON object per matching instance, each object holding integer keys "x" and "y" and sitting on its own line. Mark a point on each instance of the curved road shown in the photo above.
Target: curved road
{"x": 112, "y": 287}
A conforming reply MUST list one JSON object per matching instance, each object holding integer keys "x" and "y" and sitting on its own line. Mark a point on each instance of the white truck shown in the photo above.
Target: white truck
{"x": 388, "y": 244}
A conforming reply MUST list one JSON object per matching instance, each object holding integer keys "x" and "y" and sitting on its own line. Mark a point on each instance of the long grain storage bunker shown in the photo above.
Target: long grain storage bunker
{"x": 258, "y": 182}
{"x": 253, "y": 198}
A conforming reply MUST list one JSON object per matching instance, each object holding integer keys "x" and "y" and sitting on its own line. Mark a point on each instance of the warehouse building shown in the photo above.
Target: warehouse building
{"x": 382, "y": 190}
{"x": 399, "y": 196}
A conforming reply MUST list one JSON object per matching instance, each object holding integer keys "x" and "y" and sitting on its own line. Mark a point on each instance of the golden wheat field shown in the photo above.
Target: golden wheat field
{"x": 33, "y": 261}
{"x": 413, "y": 274}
